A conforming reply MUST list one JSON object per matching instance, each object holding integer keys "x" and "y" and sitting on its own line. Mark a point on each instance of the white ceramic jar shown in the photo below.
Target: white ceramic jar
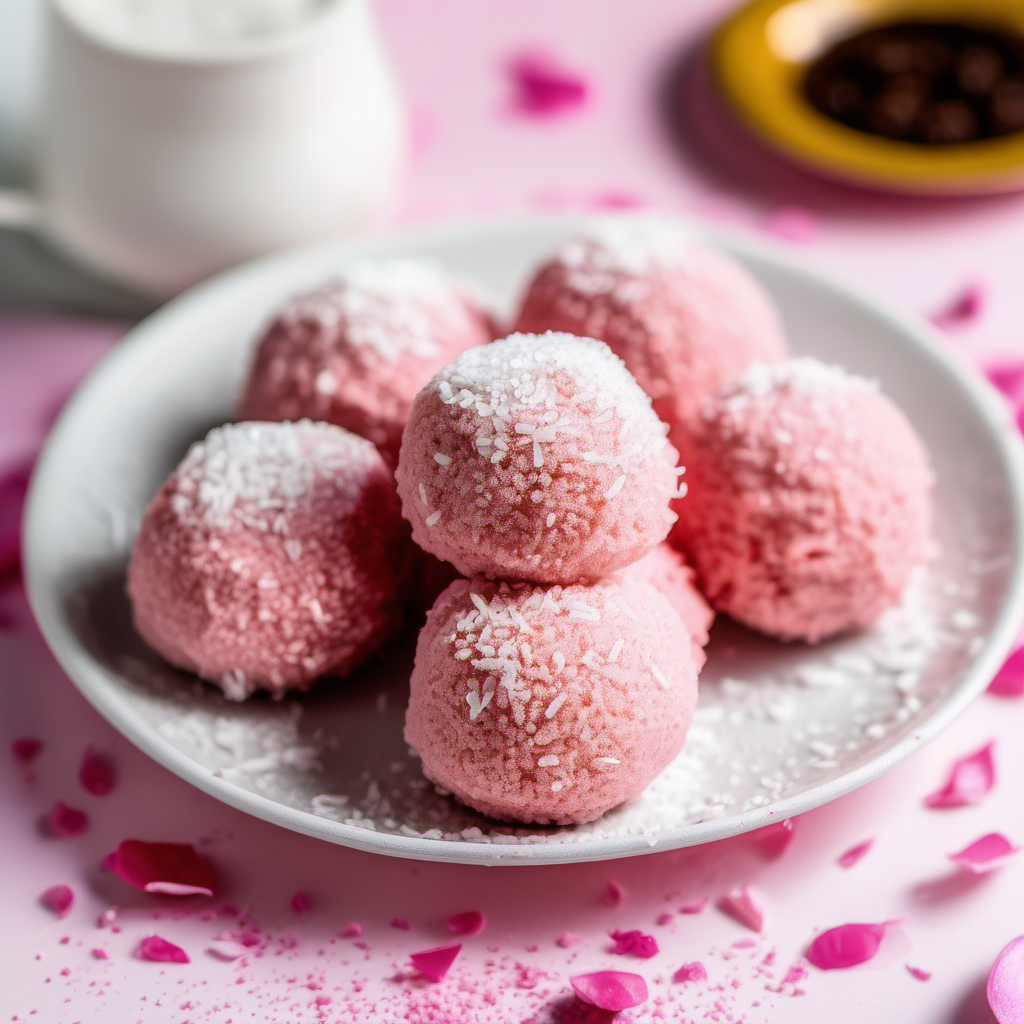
{"x": 164, "y": 157}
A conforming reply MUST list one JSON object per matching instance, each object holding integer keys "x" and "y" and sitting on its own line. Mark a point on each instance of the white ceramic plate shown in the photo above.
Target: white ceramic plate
{"x": 781, "y": 728}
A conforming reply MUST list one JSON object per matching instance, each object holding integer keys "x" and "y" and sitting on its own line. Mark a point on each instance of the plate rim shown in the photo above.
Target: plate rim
{"x": 93, "y": 680}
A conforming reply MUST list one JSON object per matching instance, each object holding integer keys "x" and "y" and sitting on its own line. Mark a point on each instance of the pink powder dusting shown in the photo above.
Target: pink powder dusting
{"x": 97, "y": 774}
{"x": 850, "y": 857}
{"x": 153, "y": 947}
{"x": 969, "y": 782}
{"x": 25, "y": 750}
{"x": 542, "y": 88}
{"x": 634, "y": 943}
{"x": 59, "y": 899}
{"x": 64, "y": 821}
{"x": 1009, "y": 680}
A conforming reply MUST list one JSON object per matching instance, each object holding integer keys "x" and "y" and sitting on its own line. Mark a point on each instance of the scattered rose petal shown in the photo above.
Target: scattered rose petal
{"x": 542, "y": 89}
{"x": 434, "y": 963}
{"x": 797, "y": 972}
{"x": 26, "y": 750}
{"x": 227, "y": 949}
{"x": 1006, "y": 984}
{"x": 13, "y": 487}
{"x": 964, "y": 308}
{"x": 100, "y": 954}
{"x": 97, "y": 774}
{"x": 694, "y": 908}
{"x": 152, "y": 947}
{"x": 1008, "y": 377}
{"x": 919, "y": 972}
{"x": 58, "y": 898}
{"x": 616, "y": 200}
{"x": 1009, "y": 680}
{"x": 634, "y": 943}
{"x": 301, "y": 903}
{"x": 470, "y": 922}
{"x": 567, "y": 939}
{"x": 793, "y": 224}
{"x": 352, "y": 931}
{"x": 65, "y": 821}
{"x": 773, "y": 839}
{"x": 691, "y": 972}
{"x": 174, "y": 869}
{"x": 610, "y": 990}
{"x": 969, "y": 782}
{"x": 743, "y": 906}
{"x": 664, "y": 919}
{"x": 614, "y": 895}
{"x": 854, "y": 853}
{"x": 400, "y": 923}
{"x": 845, "y": 946}
{"x": 985, "y": 854}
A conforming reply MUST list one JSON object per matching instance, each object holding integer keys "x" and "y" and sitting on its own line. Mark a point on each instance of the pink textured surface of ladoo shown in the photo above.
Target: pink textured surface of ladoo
{"x": 550, "y": 704}
{"x": 355, "y": 351}
{"x": 536, "y": 458}
{"x": 274, "y": 554}
{"x": 683, "y": 317}
{"x": 809, "y": 500}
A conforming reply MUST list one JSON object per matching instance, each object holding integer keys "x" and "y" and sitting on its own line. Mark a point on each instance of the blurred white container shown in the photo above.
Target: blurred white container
{"x": 170, "y": 149}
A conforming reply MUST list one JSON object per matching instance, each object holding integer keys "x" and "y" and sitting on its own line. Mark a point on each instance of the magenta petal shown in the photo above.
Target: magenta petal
{"x": 743, "y": 906}
{"x": 58, "y": 898}
{"x": 694, "y": 908}
{"x": 26, "y": 750}
{"x": 634, "y": 943}
{"x": 66, "y": 821}
{"x": 850, "y": 857}
{"x": 171, "y": 868}
{"x": 1008, "y": 376}
{"x": 614, "y": 895}
{"x": 351, "y": 931}
{"x": 301, "y": 903}
{"x": 691, "y": 972}
{"x": 1009, "y": 680}
{"x": 434, "y": 963}
{"x": 1006, "y": 984}
{"x": 845, "y": 946}
{"x": 986, "y": 853}
{"x": 919, "y": 972}
{"x": 400, "y": 923}
{"x": 772, "y": 840}
{"x": 100, "y": 954}
{"x": 969, "y": 782}
{"x": 610, "y": 990}
{"x": 97, "y": 774}
{"x": 470, "y": 922}
{"x": 542, "y": 89}
{"x": 152, "y": 947}
{"x": 13, "y": 487}
{"x": 964, "y": 308}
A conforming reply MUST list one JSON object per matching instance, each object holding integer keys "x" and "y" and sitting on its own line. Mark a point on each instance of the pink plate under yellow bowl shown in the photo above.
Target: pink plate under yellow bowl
{"x": 759, "y": 57}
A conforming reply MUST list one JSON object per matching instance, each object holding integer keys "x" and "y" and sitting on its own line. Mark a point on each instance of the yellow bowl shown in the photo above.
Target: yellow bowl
{"x": 759, "y": 57}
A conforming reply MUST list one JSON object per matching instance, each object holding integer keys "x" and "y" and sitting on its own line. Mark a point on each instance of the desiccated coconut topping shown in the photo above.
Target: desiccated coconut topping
{"x": 632, "y": 245}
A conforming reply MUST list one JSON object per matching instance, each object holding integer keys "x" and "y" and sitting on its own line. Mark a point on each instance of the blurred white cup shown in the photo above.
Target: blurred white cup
{"x": 179, "y": 137}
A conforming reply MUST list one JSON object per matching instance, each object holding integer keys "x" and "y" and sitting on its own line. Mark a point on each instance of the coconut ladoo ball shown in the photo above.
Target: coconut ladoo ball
{"x": 536, "y": 458}
{"x": 355, "y": 351}
{"x": 274, "y": 554}
{"x": 550, "y": 704}
{"x": 809, "y": 500}
{"x": 683, "y": 317}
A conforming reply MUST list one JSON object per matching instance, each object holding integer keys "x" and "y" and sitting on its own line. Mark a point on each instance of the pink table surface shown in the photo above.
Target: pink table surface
{"x": 476, "y": 155}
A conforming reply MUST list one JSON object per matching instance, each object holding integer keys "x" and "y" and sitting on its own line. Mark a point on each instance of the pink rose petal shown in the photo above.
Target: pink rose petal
{"x": 772, "y": 840}
{"x": 964, "y": 308}
{"x": 400, "y": 923}
{"x": 351, "y": 931}
{"x": 1006, "y": 984}
{"x": 470, "y": 922}
{"x": 58, "y": 898}
{"x": 919, "y": 972}
{"x": 634, "y": 943}
{"x": 694, "y": 908}
{"x": 26, "y": 750}
{"x": 854, "y": 853}
{"x": 65, "y": 821}
{"x": 793, "y": 224}
{"x": 301, "y": 903}
{"x": 152, "y": 947}
{"x": 1009, "y": 680}
{"x": 100, "y": 954}
{"x": 795, "y": 973}
{"x": 614, "y": 895}
{"x": 174, "y": 869}
{"x": 13, "y": 487}
{"x": 743, "y": 906}
{"x": 97, "y": 774}
{"x": 610, "y": 990}
{"x": 691, "y": 972}
{"x": 985, "y": 854}
{"x": 567, "y": 939}
{"x": 969, "y": 782}
{"x": 1008, "y": 377}
{"x": 434, "y": 963}
{"x": 663, "y": 919}
{"x": 542, "y": 89}
{"x": 845, "y": 946}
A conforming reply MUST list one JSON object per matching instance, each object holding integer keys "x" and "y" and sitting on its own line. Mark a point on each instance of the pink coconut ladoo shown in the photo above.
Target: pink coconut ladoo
{"x": 536, "y": 458}
{"x": 685, "y": 318}
{"x": 550, "y": 704}
{"x": 274, "y": 554}
{"x": 809, "y": 500}
{"x": 354, "y": 352}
